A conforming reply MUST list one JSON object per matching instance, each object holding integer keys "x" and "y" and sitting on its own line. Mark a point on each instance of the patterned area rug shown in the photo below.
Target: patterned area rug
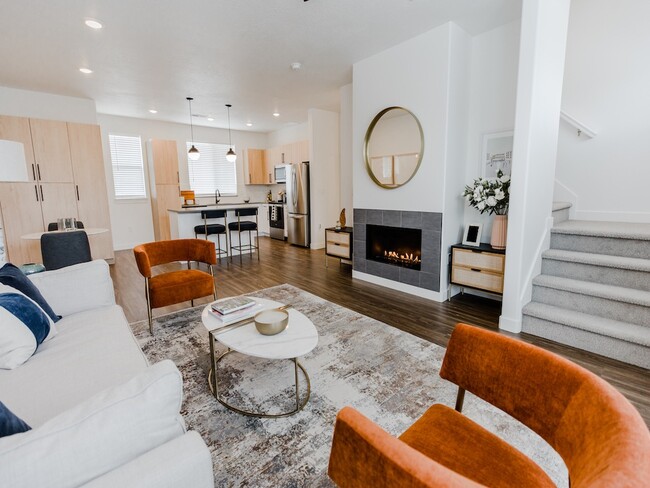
{"x": 389, "y": 375}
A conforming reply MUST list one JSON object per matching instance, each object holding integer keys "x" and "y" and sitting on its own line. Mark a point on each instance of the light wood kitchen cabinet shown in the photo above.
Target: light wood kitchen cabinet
{"x": 51, "y": 151}
{"x": 20, "y": 204}
{"x": 167, "y": 189}
{"x": 287, "y": 156}
{"x": 55, "y": 148}
{"x": 167, "y": 197}
{"x": 17, "y": 129}
{"x": 165, "y": 162}
{"x": 59, "y": 200}
{"x": 90, "y": 185}
{"x": 257, "y": 167}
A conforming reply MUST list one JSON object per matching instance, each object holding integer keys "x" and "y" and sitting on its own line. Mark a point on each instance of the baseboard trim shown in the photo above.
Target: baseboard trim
{"x": 509, "y": 324}
{"x": 395, "y": 285}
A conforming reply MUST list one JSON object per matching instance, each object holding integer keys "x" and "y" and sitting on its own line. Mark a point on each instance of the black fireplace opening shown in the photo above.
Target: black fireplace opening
{"x": 398, "y": 246}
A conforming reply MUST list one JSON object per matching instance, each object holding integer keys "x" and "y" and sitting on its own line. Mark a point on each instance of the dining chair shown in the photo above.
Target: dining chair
{"x": 61, "y": 249}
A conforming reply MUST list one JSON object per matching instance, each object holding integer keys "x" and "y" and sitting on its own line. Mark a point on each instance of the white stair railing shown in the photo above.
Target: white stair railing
{"x": 581, "y": 128}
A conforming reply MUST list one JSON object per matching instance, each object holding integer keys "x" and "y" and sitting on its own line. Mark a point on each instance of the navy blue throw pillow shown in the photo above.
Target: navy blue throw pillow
{"x": 11, "y": 276}
{"x": 9, "y": 423}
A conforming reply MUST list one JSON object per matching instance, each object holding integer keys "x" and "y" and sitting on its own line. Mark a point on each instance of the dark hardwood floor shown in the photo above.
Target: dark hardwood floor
{"x": 282, "y": 263}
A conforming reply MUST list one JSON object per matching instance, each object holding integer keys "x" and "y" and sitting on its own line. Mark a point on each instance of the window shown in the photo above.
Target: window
{"x": 212, "y": 171}
{"x": 128, "y": 167}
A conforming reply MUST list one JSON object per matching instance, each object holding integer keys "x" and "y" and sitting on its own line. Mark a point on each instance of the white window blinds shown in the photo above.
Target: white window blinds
{"x": 212, "y": 171}
{"x": 128, "y": 166}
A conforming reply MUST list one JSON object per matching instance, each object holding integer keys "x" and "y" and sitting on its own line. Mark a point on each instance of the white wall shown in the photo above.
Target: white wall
{"x": 539, "y": 91}
{"x": 324, "y": 166}
{"x": 457, "y": 110}
{"x": 24, "y": 103}
{"x": 132, "y": 221}
{"x": 347, "y": 157}
{"x": 492, "y": 98}
{"x": 412, "y": 75}
{"x": 287, "y": 135}
{"x": 606, "y": 82}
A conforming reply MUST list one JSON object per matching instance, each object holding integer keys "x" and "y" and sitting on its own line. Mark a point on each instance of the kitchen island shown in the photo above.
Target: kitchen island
{"x": 182, "y": 221}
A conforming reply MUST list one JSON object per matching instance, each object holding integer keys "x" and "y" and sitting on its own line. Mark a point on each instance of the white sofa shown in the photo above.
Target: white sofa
{"x": 100, "y": 415}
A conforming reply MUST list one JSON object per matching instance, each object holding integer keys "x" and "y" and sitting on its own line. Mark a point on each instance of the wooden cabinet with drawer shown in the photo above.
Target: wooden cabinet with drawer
{"x": 338, "y": 243}
{"x": 480, "y": 267}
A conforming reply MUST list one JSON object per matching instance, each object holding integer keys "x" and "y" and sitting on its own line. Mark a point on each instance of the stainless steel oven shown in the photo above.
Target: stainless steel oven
{"x": 276, "y": 221}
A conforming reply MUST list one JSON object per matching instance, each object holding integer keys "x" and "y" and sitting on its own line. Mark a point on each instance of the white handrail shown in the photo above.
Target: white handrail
{"x": 582, "y": 129}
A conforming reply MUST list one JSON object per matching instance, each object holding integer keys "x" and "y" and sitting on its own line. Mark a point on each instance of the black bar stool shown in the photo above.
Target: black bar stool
{"x": 243, "y": 226}
{"x": 213, "y": 229}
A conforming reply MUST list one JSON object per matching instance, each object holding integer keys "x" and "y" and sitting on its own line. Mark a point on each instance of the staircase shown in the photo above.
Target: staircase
{"x": 594, "y": 290}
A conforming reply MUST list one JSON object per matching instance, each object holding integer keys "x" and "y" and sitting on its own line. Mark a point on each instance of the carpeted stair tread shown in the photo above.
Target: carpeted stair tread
{"x": 622, "y": 230}
{"x": 606, "y": 260}
{"x": 557, "y": 206}
{"x": 608, "y": 292}
{"x": 624, "y": 331}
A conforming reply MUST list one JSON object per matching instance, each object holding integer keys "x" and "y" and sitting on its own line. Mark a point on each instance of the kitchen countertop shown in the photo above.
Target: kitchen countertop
{"x": 220, "y": 206}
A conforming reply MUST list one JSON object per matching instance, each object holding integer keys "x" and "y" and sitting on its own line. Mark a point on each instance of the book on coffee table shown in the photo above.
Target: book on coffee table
{"x": 245, "y": 313}
{"x": 226, "y": 306}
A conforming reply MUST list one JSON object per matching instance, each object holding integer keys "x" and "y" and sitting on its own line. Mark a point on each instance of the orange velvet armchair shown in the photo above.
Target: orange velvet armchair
{"x": 175, "y": 286}
{"x": 601, "y": 437}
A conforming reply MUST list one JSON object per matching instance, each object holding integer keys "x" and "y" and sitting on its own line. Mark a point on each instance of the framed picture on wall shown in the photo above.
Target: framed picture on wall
{"x": 496, "y": 154}
{"x": 472, "y": 235}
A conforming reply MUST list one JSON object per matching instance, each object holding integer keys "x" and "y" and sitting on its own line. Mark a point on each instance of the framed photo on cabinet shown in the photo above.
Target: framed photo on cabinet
{"x": 472, "y": 235}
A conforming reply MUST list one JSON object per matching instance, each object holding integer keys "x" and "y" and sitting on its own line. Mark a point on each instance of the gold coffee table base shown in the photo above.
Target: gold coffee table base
{"x": 214, "y": 387}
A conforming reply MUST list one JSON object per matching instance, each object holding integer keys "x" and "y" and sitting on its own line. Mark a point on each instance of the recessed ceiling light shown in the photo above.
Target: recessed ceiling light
{"x": 93, "y": 24}
{"x": 85, "y": 71}
{"x": 153, "y": 111}
{"x": 296, "y": 66}
{"x": 211, "y": 119}
{"x": 249, "y": 124}
{"x": 276, "y": 114}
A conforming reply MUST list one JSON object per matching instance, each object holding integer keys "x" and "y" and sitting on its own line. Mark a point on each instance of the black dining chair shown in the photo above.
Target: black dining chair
{"x": 61, "y": 249}
{"x": 217, "y": 229}
{"x": 244, "y": 226}
{"x": 52, "y": 226}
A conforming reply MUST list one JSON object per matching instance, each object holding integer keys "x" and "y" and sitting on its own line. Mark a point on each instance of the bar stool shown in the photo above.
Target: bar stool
{"x": 243, "y": 226}
{"x": 213, "y": 229}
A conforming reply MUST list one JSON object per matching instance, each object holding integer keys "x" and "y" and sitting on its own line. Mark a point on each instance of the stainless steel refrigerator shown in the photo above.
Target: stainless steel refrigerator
{"x": 298, "y": 222}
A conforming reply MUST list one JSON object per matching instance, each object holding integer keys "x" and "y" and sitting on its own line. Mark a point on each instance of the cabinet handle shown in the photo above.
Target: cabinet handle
{"x": 270, "y": 179}
{"x": 476, "y": 269}
{"x": 250, "y": 178}
{"x": 33, "y": 172}
{"x": 41, "y": 187}
{"x": 477, "y": 251}
{"x": 38, "y": 167}
{"x": 36, "y": 191}
{"x": 77, "y": 186}
{"x": 178, "y": 177}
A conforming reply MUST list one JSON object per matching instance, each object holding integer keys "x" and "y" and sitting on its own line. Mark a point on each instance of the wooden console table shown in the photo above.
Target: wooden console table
{"x": 479, "y": 267}
{"x": 338, "y": 243}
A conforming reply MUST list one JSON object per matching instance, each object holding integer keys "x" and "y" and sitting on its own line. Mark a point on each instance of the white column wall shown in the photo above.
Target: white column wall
{"x": 539, "y": 92}
{"x": 345, "y": 177}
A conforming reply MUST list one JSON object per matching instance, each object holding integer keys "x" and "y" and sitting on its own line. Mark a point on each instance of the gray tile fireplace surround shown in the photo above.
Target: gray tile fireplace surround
{"x": 431, "y": 225}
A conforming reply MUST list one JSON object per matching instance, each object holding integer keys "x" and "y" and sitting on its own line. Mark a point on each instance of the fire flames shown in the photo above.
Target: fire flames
{"x": 409, "y": 259}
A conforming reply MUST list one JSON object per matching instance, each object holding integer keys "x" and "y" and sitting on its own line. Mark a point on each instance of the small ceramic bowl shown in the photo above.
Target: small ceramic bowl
{"x": 271, "y": 322}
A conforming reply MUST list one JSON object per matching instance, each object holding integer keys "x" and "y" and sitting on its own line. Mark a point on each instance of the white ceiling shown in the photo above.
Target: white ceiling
{"x": 154, "y": 53}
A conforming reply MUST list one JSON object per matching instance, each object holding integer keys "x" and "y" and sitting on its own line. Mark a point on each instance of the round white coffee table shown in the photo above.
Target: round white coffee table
{"x": 298, "y": 339}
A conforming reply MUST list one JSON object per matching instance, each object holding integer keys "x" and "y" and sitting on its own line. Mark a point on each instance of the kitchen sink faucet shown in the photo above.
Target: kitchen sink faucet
{"x": 216, "y": 196}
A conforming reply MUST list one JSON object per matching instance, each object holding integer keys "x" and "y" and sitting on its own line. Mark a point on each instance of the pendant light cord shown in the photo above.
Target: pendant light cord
{"x": 229, "y": 133}
{"x": 189, "y": 100}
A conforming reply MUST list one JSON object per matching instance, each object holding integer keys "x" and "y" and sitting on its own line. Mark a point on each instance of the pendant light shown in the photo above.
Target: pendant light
{"x": 193, "y": 153}
{"x": 230, "y": 155}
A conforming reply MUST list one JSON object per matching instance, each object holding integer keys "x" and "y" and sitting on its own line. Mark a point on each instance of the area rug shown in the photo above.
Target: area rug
{"x": 389, "y": 375}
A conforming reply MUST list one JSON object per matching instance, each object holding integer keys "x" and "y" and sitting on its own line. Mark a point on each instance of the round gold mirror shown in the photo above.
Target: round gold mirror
{"x": 393, "y": 147}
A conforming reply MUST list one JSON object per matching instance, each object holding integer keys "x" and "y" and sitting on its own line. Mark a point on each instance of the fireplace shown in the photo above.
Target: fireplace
{"x": 412, "y": 259}
{"x": 399, "y": 246}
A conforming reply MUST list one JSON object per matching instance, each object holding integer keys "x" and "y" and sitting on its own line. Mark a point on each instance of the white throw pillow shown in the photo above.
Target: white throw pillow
{"x": 110, "y": 429}
{"x": 17, "y": 341}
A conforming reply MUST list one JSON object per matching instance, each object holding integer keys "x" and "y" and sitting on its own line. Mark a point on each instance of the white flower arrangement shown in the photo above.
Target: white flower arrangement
{"x": 492, "y": 196}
